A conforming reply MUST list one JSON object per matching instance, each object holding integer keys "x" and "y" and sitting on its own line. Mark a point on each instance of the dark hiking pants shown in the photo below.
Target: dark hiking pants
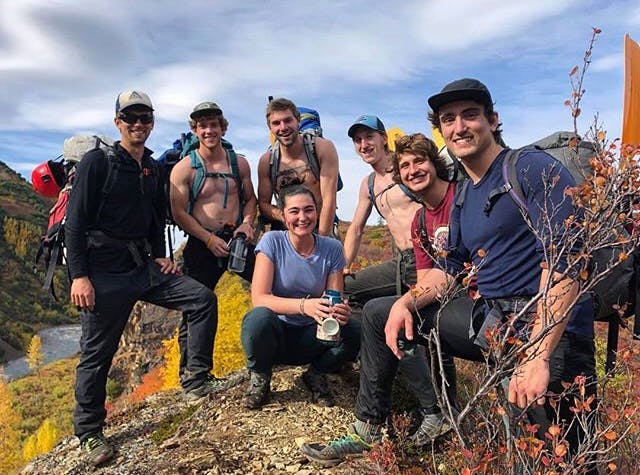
{"x": 116, "y": 294}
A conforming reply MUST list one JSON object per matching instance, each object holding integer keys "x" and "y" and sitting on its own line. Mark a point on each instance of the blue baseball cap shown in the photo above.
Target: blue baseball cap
{"x": 368, "y": 121}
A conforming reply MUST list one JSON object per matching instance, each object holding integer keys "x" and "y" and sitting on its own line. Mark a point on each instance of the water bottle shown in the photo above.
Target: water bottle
{"x": 238, "y": 253}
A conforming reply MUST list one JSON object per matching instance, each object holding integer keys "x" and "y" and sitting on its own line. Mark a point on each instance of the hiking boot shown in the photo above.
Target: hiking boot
{"x": 336, "y": 451}
{"x": 98, "y": 450}
{"x": 258, "y": 390}
{"x": 317, "y": 384}
{"x": 210, "y": 385}
{"x": 432, "y": 427}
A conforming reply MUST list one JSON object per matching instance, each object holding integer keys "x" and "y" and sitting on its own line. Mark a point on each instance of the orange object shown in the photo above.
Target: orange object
{"x": 631, "y": 113}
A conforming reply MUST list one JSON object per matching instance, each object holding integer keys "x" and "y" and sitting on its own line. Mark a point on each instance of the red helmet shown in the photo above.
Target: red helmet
{"x": 48, "y": 178}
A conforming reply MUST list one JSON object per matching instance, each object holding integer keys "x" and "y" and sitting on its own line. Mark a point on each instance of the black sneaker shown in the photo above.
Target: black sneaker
{"x": 336, "y": 451}
{"x": 210, "y": 385}
{"x": 258, "y": 390}
{"x": 317, "y": 384}
{"x": 97, "y": 449}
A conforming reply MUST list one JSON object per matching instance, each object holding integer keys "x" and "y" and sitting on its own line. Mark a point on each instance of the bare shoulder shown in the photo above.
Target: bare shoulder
{"x": 325, "y": 149}
{"x": 182, "y": 170}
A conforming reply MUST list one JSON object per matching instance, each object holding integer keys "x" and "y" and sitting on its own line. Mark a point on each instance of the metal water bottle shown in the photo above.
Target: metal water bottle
{"x": 238, "y": 253}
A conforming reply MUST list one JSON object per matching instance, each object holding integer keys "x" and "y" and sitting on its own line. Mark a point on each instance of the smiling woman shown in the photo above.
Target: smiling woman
{"x": 294, "y": 269}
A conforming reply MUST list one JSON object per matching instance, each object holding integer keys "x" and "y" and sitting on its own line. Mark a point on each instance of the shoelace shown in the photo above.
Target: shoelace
{"x": 93, "y": 442}
{"x": 345, "y": 440}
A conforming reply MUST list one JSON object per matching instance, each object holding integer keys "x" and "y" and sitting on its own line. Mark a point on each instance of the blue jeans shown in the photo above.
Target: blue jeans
{"x": 268, "y": 341}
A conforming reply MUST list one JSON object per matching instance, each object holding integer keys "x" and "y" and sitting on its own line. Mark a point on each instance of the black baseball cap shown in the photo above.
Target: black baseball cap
{"x": 460, "y": 90}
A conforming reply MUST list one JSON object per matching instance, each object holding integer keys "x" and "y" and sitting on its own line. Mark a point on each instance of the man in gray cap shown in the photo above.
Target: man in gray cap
{"x": 116, "y": 254}
{"x": 222, "y": 206}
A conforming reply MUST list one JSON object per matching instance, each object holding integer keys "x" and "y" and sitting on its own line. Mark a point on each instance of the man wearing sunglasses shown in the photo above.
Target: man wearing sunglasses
{"x": 116, "y": 254}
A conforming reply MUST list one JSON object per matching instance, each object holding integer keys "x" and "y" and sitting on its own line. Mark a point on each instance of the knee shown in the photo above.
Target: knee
{"x": 375, "y": 313}
{"x": 205, "y": 297}
{"x": 258, "y": 321}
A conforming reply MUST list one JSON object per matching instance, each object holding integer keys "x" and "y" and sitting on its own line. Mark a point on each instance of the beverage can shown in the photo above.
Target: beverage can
{"x": 333, "y": 296}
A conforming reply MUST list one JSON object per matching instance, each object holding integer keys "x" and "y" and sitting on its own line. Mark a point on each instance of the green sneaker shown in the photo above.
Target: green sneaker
{"x": 337, "y": 451}
{"x": 98, "y": 450}
{"x": 210, "y": 385}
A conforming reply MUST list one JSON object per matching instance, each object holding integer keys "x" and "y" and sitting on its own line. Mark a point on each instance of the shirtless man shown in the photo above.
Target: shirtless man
{"x": 283, "y": 120}
{"x": 395, "y": 203}
{"x": 224, "y": 207}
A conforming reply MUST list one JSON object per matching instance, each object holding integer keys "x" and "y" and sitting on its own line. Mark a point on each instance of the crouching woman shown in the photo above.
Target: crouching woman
{"x": 293, "y": 269}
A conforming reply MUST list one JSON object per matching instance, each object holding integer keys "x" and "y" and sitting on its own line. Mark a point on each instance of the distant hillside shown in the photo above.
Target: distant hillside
{"x": 24, "y": 306}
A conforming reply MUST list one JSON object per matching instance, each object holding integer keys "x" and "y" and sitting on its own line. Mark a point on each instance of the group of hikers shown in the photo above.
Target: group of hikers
{"x": 442, "y": 231}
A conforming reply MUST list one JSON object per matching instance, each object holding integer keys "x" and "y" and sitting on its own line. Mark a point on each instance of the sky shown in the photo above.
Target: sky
{"x": 63, "y": 62}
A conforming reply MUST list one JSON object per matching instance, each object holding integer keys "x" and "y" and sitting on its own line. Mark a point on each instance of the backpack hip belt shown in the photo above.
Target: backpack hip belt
{"x": 140, "y": 249}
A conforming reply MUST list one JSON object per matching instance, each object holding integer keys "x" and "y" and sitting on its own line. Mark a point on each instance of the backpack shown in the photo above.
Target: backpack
{"x": 52, "y": 248}
{"x": 575, "y": 154}
{"x": 186, "y": 146}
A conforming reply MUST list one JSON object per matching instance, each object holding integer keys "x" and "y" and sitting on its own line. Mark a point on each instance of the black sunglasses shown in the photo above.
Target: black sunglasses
{"x": 132, "y": 118}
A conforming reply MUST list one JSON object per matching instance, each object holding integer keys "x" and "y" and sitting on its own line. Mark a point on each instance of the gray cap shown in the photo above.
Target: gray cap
{"x": 205, "y": 108}
{"x": 132, "y": 98}
{"x": 460, "y": 90}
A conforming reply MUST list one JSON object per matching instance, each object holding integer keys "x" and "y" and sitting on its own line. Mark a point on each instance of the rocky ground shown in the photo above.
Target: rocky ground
{"x": 166, "y": 435}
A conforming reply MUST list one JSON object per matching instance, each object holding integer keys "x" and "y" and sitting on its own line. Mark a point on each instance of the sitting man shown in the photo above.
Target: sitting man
{"x": 487, "y": 228}
{"x": 224, "y": 206}
{"x": 418, "y": 166}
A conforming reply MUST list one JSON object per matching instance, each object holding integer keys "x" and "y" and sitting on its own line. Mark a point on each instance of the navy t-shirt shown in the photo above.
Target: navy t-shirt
{"x": 501, "y": 245}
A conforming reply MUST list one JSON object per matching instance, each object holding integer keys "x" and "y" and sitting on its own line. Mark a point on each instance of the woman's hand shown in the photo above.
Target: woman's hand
{"x": 318, "y": 309}
{"x": 341, "y": 312}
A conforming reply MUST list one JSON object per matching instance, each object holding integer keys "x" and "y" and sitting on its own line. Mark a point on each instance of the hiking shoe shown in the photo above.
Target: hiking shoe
{"x": 432, "y": 427}
{"x": 317, "y": 384}
{"x": 336, "y": 451}
{"x": 258, "y": 390}
{"x": 98, "y": 450}
{"x": 210, "y": 385}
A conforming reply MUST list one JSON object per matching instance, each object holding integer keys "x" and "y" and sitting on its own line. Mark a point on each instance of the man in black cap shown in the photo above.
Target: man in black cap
{"x": 488, "y": 230}
{"x": 222, "y": 206}
{"x": 116, "y": 253}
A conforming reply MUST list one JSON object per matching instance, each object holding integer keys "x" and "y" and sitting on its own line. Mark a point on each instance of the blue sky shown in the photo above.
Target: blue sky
{"x": 62, "y": 63}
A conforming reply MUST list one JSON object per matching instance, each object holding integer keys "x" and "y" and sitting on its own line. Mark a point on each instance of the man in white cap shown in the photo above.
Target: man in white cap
{"x": 116, "y": 253}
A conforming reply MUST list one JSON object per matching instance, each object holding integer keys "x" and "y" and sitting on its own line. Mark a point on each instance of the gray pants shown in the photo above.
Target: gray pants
{"x": 389, "y": 279}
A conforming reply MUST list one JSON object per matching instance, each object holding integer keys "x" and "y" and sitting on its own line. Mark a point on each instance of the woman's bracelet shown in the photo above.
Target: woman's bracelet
{"x": 302, "y": 305}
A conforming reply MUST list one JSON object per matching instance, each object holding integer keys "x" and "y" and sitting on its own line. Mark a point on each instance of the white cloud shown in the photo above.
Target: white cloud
{"x": 62, "y": 62}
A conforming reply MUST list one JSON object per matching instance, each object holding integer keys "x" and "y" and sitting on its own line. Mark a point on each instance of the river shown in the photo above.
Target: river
{"x": 57, "y": 343}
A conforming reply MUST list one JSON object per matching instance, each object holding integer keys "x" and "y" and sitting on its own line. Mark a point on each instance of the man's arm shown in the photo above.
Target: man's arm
{"x": 328, "y": 160}
{"x": 531, "y": 378}
{"x": 354, "y": 232}
{"x": 251, "y": 202}
{"x": 265, "y": 191}
{"x": 429, "y": 285}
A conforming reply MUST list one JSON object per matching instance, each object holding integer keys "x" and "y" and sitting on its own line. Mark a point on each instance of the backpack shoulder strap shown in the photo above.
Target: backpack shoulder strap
{"x": 112, "y": 174}
{"x": 198, "y": 180}
{"x": 371, "y": 180}
{"x": 410, "y": 193}
{"x": 461, "y": 191}
{"x": 274, "y": 164}
{"x": 235, "y": 171}
{"x": 510, "y": 177}
{"x": 309, "y": 141}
